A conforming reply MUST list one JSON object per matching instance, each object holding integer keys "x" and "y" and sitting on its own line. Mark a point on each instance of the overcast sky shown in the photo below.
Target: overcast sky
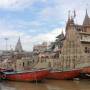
{"x": 36, "y": 21}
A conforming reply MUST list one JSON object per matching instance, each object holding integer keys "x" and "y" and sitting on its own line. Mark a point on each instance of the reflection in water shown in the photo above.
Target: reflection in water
{"x": 47, "y": 85}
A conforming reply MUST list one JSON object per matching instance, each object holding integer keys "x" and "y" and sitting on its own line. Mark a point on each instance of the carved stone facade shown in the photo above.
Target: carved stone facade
{"x": 72, "y": 54}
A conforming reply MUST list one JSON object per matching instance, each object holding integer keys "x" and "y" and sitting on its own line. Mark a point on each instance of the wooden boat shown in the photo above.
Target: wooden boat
{"x": 86, "y": 70}
{"x": 32, "y": 75}
{"x": 61, "y": 75}
{"x": 85, "y": 73}
{"x": 84, "y": 76}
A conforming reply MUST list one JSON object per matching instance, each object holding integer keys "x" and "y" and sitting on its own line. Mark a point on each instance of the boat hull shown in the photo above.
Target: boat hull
{"x": 28, "y": 76}
{"x": 85, "y": 73}
{"x": 61, "y": 75}
{"x": 86, "y": 70}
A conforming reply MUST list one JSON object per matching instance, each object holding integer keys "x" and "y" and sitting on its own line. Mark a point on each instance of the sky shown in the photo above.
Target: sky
{"x": 35, "y": 21}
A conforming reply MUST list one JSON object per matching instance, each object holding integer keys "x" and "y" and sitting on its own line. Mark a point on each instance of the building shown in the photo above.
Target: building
{"x": 17, "y": 59}
{"x": 18, "y": 47}
{"x": 84, "y": 32}
{"x": 72, "y": 53}
{"x": 40, "y": 47}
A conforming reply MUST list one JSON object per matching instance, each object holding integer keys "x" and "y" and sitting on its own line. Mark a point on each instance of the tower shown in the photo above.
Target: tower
{"x": 86, "y": 21}
{"x": 72, "y": 53}
{"x": 18, "y": 47}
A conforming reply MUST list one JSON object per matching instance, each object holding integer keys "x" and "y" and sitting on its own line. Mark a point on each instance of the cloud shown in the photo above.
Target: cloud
{"x": 30, "y": 41}
{"x": 58, "y": 11}
{"x": 51, "y": 14}
{"x": 45, "y": 22}
{"x": 9, "y": 33}
{"x": 12, "y": 38}
{"x": 9, "y": 4}
{"x": 19, "y": 26}
{"x": 8, "y": 30}
{"x": 18, "y": 4}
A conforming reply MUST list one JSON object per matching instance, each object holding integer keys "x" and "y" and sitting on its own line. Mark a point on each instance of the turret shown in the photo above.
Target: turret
{"x": 70, "y": 22}
{"x": 18, "y": 47}
{"x": 86, "y": 21}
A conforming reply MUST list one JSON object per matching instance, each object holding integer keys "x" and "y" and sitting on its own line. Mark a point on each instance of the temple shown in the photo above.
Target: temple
{"x": 18, "y": 47}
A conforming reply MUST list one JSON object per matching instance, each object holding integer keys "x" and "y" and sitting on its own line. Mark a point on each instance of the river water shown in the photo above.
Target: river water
{"x": 47, "y": 85}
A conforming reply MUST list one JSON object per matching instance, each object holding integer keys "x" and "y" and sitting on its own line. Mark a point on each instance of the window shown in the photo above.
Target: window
{"x": 79, "y": 29}
{"x": 86, "y": 49}
{"x": 23, "y": 64}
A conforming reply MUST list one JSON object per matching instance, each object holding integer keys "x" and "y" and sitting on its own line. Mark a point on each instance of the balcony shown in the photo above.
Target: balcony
{"x": 87, "y": 40}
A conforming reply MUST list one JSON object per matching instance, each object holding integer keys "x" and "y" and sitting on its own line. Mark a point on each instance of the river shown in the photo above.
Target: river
{"x": 46, "y": 85}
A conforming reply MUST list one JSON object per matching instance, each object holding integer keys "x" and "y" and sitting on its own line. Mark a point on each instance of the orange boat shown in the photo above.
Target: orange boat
{"x": 86, "y": 70}
{"x": 61, "y": 75}
{"x": 85, "y": 73}
{"x": 32, "y": 75}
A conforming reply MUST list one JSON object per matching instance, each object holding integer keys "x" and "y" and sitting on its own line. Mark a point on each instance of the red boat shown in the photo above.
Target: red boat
{"x": 86, "y": 70}
{"x": 85, "y": 73}
{"x": 61, "y": 75}
{"x": 32, "y": 75}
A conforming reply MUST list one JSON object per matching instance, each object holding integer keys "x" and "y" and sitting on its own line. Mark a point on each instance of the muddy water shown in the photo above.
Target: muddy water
{"x": 46, "y": 85}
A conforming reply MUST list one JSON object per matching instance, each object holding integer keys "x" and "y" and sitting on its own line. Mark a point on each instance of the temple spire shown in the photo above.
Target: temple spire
{"x": 86, "y": 19}
{"x": 70, "y": 21}
{"x": 18, "y": 47}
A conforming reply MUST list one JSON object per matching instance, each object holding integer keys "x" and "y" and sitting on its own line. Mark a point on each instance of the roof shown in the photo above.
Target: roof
{"x": 61, "y": 36}
{"x": 86, "y": 21}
